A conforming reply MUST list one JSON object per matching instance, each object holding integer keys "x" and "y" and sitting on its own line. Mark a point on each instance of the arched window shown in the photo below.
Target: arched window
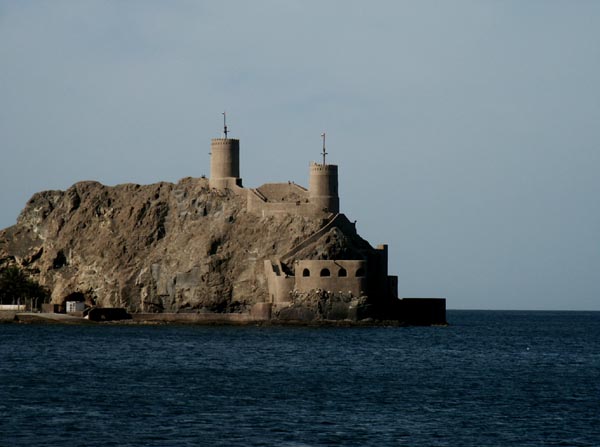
{"x": 325, "y": 272}
{"x": 305, "y": 272}
{"x": 360, "y": 272}
{"x": 342, "y": 272}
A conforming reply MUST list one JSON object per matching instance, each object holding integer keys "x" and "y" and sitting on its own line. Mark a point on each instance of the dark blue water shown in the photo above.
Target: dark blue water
{"x": 490, "y": 379}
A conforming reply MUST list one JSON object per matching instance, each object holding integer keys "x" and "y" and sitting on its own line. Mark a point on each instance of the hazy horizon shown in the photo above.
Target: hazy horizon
{"x": 467, "y": 133}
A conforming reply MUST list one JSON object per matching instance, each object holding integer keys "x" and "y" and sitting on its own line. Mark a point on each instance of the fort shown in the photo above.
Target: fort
{"x": 364, "y": 274}
{"x": 211, "y": 250}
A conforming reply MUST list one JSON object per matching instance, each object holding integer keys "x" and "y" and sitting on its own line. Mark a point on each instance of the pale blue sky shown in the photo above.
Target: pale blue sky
{"x": 467, "y": 132}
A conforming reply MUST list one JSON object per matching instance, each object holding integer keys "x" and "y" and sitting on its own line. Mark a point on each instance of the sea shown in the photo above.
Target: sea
{"x": 490, "y": 378}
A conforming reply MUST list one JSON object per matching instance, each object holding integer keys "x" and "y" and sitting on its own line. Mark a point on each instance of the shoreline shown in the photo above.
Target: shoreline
{"x": 192, "y": 319}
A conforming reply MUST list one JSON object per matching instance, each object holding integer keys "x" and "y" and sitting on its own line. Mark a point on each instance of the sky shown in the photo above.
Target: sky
{"x": 467, "y": 133}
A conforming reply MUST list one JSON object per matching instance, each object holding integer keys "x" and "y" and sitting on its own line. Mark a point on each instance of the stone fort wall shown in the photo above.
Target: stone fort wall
{"x": 333, "y": 276}
{"x": 278, "y": 283}
{"x": 281, "y": 198}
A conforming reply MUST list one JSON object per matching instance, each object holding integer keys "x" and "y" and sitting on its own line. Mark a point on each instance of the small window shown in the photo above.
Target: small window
{"x": 342, "y": 272}
{"x": 305, "y": 272}
{"x": 325, "y": 272}
{"x": 360, "y": 272}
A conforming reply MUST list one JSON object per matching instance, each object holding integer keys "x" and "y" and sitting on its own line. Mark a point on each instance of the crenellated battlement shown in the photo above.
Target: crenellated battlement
{"x": 317, "y": 167}
{"x": 224, "y": 141}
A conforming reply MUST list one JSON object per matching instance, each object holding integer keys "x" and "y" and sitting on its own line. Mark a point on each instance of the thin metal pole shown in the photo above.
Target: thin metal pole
{"x": 225, "y": 124}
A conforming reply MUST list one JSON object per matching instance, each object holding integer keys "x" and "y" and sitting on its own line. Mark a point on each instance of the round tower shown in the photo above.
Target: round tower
{"x": 323, "y": 187}
{"x": 224, "y": 163}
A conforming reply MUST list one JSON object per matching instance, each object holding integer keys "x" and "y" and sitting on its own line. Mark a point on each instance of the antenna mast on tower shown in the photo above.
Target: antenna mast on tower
{"x": 324, "y": 153}
{"x": 225, "y": 124}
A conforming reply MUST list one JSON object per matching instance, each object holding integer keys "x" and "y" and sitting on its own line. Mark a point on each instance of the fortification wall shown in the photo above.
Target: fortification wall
{"x": 379, "y": 284}
{"x": 423, "y": 311}
{"x": 259, "y": 204}
{"x": 273, "y": 199}
{"x": 393, "y": 286}
{"x": 279, "y": 284}
{"x": 283, "y": 192}
{"x": 334, "y": 276}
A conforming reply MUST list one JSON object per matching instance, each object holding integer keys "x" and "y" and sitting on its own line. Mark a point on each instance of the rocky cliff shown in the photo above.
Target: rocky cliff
{"x": 157, "y": 248}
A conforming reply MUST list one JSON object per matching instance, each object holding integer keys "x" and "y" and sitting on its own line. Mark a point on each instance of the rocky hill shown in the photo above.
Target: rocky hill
{"x": 157, "y": 248}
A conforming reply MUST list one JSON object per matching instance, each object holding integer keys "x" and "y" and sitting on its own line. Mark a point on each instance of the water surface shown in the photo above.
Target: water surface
{"x": 489, "y": 379}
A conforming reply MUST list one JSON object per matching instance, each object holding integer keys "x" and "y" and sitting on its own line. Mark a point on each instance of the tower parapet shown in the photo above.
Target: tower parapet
{"x": 323, "y": 187}
{"x": 224, "y": 163}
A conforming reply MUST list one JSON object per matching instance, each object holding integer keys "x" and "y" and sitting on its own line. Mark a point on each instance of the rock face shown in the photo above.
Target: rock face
{"x": 158, "y": 248}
